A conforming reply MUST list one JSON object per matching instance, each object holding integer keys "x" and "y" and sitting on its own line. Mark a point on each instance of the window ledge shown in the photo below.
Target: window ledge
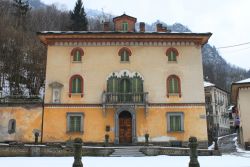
{"x": 75, "y": 94}
{"x": 182, "y": 131}
{"x": 69, "y": 132}
{"x": 172, "y": 62}
{"x": 169, "y": 95}
{"x": 125, "y": 62}
{"x": 76, "y": 61}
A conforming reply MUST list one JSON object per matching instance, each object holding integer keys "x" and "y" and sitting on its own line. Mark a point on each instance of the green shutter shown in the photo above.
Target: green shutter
{"x": 75, "y": 123}
{"x": 174, "y": 85}
{"x": 172, "y": 56}
{"x": 76, "y": 85}
{"x": 175, "y": 123}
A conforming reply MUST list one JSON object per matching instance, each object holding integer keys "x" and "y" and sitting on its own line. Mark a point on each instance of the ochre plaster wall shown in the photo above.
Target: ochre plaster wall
{"x": 150, "y": 61}
{"x": 27, "y": 119}
{"x": 155, "y": 124}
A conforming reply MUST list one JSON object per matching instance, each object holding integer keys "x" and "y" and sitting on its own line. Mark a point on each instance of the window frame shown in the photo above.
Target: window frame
{"x": 169, "y": 85}
{"x": 75, "y": 114}
{"x": 168, "y": 115}
{"x": 74, "y": 52}
{"x": 168, "y": 54}
{"x": 121, "y": 54}
{"x": 71, "y": 84}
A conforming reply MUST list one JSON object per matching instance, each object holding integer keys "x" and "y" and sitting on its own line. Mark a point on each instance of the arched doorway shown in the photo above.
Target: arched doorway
{"x": 125, "y": 127}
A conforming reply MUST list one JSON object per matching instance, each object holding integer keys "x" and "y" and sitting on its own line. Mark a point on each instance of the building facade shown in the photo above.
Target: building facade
{"x": 124, "y": 83}
{"x": 240, "y": 97}
{"x": 217, "y": 103}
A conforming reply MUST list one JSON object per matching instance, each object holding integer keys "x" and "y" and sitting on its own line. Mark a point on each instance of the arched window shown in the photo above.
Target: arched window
{"x": 12, "y": 126}
{"x": 173, "y": 85}
{"x": 124, "y": 54}
{"x": 172, "y": 54}
{"x": 77, "y": 54}
{"x": 76, "y": 85}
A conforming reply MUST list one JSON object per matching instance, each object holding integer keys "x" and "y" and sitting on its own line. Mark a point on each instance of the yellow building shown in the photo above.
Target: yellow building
{"x": 125, "y": 84}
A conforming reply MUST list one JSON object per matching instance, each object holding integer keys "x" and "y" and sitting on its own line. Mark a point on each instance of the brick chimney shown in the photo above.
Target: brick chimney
{"x": 159, "y": 28}
{"x": 142, "y": 27}
{"x": 106, "y": 26}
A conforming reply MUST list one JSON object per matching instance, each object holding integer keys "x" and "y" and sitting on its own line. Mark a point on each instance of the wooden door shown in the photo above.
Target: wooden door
{"x": 125, "y": 130}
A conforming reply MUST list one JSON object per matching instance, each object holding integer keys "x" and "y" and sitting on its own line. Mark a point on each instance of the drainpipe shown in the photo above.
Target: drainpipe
{"x": 42, "y": 119}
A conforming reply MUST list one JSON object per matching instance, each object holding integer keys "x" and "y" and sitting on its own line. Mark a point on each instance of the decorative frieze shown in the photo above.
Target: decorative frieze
{"x": 82, "y": 44}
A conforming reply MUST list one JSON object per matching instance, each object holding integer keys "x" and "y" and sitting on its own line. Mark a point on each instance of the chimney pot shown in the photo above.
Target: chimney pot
{"x": 142, "y": 27}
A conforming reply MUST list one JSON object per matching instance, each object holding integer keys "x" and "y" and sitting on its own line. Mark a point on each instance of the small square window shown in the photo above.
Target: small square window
{"x": 175, "y": 122}
{"x": 75, "y": 122}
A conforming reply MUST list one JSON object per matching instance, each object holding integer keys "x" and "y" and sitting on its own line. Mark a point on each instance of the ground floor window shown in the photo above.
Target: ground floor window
{"x": 75, "y": 122}
{"x": 175, "y": 121}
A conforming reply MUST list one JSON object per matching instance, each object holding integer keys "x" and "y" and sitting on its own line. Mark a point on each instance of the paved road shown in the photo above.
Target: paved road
{"x": 226, "y": 144}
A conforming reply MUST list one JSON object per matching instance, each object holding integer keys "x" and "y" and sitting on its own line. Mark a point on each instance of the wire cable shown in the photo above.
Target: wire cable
{"x": 230, "y": 46}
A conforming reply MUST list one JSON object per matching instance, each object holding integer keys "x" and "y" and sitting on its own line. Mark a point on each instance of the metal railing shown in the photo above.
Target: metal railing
{"x": 125, "y": 98}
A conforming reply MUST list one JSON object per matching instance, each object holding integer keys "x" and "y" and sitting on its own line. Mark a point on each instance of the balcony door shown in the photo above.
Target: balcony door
{"x": 125, "y": 89}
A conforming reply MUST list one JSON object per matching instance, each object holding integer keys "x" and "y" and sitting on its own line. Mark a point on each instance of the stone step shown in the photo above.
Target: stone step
{"x": 127, "y": 152}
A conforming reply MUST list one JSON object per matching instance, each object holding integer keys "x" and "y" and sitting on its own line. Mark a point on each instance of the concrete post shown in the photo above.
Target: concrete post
{"x": 193, "y": 152}
{"x": 146, "y": 139}
{"x": 77, "y": 153}
{"x": 36, "y": 137}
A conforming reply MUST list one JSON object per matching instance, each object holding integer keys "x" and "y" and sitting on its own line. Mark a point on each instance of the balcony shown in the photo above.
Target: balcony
{"x": 125, "y": 98}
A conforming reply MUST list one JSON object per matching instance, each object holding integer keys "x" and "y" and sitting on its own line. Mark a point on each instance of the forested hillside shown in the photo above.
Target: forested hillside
{"x": 23, "y": 57}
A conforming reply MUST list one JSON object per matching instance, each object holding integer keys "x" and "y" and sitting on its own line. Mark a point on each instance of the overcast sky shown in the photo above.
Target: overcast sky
{"x": 228, "y": 20}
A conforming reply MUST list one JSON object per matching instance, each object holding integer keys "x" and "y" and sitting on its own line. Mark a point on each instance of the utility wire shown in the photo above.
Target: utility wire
{"x": 230, "y": 46}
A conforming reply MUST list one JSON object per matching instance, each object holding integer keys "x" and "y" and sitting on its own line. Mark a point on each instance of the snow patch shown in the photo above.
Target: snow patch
{"x": 207, "y": 84}
{"x": 156, "y": 139}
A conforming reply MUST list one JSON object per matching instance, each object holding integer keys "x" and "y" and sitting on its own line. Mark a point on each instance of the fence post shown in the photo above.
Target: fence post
{"x": 193, "y": 152}
{"x": 77, "y": 153}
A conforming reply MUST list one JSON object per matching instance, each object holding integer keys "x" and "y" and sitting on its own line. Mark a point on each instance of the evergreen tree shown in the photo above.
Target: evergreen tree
{"x": 78, "y": 18}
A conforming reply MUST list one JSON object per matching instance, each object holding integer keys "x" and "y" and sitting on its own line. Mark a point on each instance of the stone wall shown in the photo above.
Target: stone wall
{"x": 174, "y": 151}
{"x": 21, "y": 150}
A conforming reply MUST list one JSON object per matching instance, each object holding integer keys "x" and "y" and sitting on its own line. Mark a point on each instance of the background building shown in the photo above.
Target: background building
{"x": 217, "y": 104}
{"x": 241, "y": 98}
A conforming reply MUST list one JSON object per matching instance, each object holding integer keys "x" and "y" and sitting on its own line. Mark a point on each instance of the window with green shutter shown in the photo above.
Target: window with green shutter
{"x": 77, "y": 56}
{"x": 172, "y": 54}
{"x": 75, "y": 122}
{"x": 124, "y": 56}
{"x": 125, "y": 26}
{"x": 173, "y": 85}
{"x": 76, "y": 85}
{"x": 175, "y": 122}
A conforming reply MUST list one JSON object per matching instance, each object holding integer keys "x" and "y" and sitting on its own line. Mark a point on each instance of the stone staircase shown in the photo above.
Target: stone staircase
{"x": 127, "y": 152}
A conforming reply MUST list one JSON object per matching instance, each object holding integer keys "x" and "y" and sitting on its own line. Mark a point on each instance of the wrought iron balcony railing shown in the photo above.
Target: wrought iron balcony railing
{"x": 125, "y": 98}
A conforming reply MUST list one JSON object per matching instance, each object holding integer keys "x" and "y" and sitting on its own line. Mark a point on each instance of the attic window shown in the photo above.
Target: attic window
{"x": 125, "y": 26}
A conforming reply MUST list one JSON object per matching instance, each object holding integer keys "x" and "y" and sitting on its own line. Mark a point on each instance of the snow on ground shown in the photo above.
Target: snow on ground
{"x": 157, "y": 161}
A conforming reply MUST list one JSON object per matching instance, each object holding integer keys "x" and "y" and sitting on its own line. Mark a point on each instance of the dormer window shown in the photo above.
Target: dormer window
{"x": 125, "y": 26}
{"x": 124, "y": 54}
{"x": 77, "y": 54}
